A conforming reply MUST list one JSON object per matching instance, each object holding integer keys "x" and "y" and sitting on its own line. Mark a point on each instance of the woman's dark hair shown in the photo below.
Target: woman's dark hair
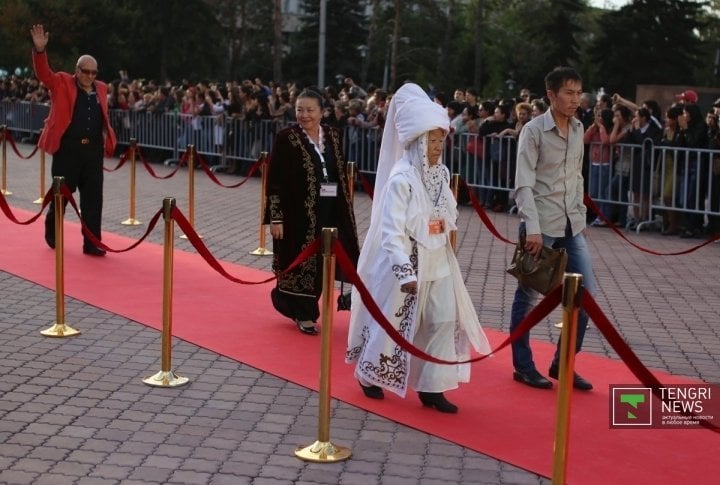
{"x": 645, "y": 113}
{"x": 654, "y": 108}
{"x": 504, "y": 109}
{"x": 606, "y": 116}
{"x": 540, "y": 104}
{"x": 605, "y": 98}
{"x": 488, "y": 106}
{"x": 313, "y": 93}
{"x": 674, "y": 112}
{"x": 455, "y": 106}
{"x": 473, "y": 111}
{"x": 624, "y": 111}
{"x": 695, "y": 114}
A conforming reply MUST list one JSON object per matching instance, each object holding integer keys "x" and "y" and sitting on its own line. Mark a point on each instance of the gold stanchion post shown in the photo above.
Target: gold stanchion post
{"x": 131, "y": 221}
{"x": 323, "y": 451}
{"x": 3, "y": 130}
{"x": 191, "y": 188}
{"x": 166, "y": 377}
{"x": 261, "y": 251}
{"x": 455, "y": 187}
{"x": 40, "y": 199}
{"x": 572, "y": 292}
{"x": 59, "y": 329}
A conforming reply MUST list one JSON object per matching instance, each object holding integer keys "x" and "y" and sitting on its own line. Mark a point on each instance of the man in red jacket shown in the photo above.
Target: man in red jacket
{"x": 77, "y": 134}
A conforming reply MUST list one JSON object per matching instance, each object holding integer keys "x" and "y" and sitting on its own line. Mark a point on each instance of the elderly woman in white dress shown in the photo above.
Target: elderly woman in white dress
{"x": 409, "y": 266}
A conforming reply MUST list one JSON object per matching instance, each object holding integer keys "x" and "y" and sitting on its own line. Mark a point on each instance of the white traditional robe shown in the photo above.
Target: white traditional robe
{"x": 440, "y": 318}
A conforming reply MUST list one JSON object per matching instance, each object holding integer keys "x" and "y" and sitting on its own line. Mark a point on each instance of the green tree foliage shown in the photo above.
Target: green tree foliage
{"x": 247, "y": 30}
{"x": 649, "y": 42}
{"x": 446, "y": 43}
{"x": 525, "y": 40}
{"x": 346, "y": 30}
{"x": 708, "y": 72}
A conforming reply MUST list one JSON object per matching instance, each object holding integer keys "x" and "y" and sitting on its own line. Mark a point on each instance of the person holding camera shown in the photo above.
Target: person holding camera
{"x": 549, "y": 195}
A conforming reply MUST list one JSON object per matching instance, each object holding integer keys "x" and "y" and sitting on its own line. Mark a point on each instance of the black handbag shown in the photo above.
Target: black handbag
{"x": 543, "y": 274}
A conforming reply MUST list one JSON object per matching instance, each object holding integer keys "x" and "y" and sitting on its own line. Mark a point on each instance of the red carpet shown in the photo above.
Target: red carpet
{"x": 498, "y": 417}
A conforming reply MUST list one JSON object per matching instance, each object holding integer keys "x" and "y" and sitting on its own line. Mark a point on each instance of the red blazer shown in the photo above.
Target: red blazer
{"x": 63, "y": 92}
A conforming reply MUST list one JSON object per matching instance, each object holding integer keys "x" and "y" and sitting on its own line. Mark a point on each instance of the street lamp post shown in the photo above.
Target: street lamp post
{"x": 363, "y": 63}
{"x": 386, "y": 67}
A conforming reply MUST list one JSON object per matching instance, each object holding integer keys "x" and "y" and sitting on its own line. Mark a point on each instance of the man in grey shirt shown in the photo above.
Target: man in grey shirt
{"x": 549, "y": 196}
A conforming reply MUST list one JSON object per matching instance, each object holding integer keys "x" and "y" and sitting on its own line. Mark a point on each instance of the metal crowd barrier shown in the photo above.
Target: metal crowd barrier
{"x": 23, "y": 118}
{"x": 684, "y": 180}
{"x": 232, "y": 144}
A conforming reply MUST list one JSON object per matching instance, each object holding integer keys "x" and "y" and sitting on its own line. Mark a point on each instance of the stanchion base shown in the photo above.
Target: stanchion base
{"x": 261, "y": 252}
{"x": 323, "y": 452}
{"x": 560, "y": 325}
{"x": 5, "y": 192}
{"x": 166, "y": 379}
{"x": 61, "y": 330}
{"x": 39, "y": 201}
{"x": 185, "y": 237}
{"x": 131, "y": 222}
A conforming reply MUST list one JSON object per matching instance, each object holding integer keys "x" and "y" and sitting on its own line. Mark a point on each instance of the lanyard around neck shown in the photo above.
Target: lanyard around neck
{"x": 319, "y": 151}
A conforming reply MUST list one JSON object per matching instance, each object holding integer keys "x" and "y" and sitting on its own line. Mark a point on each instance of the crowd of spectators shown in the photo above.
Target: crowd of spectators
{"x": 613, "y": 172}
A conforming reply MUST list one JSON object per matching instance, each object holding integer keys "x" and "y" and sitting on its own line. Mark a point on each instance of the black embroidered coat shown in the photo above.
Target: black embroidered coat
{"x": 293, "y": 198}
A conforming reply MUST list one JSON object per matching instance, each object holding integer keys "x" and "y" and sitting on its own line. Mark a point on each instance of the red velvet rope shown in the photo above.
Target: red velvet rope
{"x": 9, "y": 214}
{"x": 152, "y": 173}
{"x": 539, "y": 312}
{"x": 8, "y": 136}
{"x": 483, "y": 215}
{"x": 198, "y": 244}
{"x": 71, "y": 200}
{"x": 365, "y": 184}
{"x": 593, "y": 207}
{"x": 123, "y": 159}
{"x": 206, "y": 169}
{"x": 625, "y": 352}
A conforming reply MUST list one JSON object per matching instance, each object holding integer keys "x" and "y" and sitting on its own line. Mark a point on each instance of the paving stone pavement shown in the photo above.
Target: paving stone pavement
{"x": 74, "y": 410}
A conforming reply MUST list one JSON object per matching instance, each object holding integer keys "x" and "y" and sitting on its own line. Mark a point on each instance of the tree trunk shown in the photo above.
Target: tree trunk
{"x": 478, "y": 75}
{"x": 372, "y": 30}
{"x": 395, "y": 39}
{"x": 277, "y": 42}
{"x": 442, "y": 65}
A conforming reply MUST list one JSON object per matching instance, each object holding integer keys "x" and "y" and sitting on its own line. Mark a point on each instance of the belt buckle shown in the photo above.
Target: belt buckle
{"x": 85, "y": 141}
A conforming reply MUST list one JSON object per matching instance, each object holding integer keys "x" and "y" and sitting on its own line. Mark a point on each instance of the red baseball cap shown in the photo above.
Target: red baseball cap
{"x": 688, "y": 96}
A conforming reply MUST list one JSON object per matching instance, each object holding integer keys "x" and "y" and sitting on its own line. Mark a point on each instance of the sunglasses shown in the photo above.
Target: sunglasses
{"x": 88, "y": 72}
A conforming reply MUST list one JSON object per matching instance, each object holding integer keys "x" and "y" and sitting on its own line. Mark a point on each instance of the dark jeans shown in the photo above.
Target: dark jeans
{"x": 578, "y": 262}
{"x": 82, "y": 167}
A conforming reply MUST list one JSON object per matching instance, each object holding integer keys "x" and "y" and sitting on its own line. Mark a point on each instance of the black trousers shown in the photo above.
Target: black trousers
{"x": 82, "y": 167}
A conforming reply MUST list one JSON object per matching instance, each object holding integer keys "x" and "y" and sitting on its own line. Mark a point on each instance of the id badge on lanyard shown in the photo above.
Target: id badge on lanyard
{"x": 436, "y": 226}
{"x": 328, "y": 189}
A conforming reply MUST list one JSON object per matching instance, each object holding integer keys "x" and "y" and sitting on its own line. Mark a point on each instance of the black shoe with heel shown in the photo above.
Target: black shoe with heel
{"x": 373, "y": 392}
{"x": 309, "y": 330}
{"x": 437, "y": 400}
